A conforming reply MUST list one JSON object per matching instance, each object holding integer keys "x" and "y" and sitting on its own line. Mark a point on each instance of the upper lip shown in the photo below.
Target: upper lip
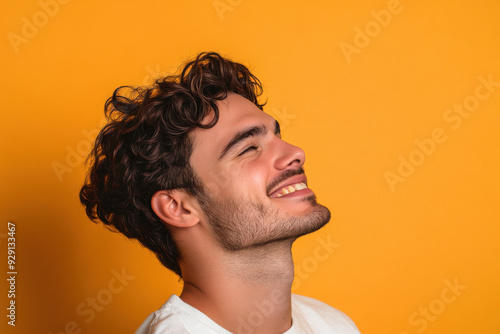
{"x": 288, "y": 182}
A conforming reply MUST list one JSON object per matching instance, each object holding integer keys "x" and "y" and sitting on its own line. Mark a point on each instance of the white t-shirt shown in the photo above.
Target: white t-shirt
{"x": 309, "y": 316}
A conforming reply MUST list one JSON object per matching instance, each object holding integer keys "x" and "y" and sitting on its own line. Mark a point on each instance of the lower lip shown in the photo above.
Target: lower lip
{"x": 297, "y": 193}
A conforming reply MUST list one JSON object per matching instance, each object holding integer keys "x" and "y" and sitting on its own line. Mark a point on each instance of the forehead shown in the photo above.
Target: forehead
{"x": 235, "y": 113}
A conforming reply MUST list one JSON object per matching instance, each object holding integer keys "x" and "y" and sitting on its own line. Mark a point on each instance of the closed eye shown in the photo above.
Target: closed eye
{"x": 248, "y": 150}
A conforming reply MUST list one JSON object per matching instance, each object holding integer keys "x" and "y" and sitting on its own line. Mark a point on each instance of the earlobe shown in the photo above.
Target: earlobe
{"x": 174, "y": 207}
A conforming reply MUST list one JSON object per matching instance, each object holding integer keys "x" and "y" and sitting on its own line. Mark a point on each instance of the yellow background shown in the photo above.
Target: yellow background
{"x": 354, "y": 116}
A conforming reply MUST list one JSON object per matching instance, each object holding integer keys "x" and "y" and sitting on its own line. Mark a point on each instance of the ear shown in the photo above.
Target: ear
{"x": 175, "y": 207}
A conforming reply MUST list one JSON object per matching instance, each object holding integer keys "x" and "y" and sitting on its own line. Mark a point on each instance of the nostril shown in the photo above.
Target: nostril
{"x": 288, "y": 155}
{"x": 296, "y": 162}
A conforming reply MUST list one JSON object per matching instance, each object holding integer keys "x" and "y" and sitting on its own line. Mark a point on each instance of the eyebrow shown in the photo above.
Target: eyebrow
{"x": 253, "y": 131}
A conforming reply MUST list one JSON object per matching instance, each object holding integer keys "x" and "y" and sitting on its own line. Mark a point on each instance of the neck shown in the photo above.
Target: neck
{"x": 243, "y": 291}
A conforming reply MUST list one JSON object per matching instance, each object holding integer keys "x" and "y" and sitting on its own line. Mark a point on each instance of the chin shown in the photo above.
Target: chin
{"x": 320, "y": 211}
{"x": 318, "y": 217}
{"x": 312, "y": 220}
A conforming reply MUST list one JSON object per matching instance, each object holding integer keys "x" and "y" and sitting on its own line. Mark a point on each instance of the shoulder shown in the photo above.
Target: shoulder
{"x": 312, "y": 314}
{"x": 177, "y": 317}
{"x": 164, "y": 320}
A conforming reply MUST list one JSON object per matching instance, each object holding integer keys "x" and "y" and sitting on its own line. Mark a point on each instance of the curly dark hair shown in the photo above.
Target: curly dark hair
{"x": 145, "y": 147}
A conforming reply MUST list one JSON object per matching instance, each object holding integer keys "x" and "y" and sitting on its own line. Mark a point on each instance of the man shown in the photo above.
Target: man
{"x": 198, "y": 173}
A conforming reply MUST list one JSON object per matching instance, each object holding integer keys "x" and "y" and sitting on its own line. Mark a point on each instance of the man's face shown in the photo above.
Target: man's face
{"x": 254, "y": 186}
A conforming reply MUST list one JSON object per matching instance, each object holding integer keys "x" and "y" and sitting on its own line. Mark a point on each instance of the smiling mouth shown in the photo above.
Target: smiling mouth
{"x": 291, "y": 189}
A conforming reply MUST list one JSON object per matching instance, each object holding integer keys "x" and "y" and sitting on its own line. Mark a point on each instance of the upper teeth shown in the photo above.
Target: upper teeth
{"x": 291, "y": 189}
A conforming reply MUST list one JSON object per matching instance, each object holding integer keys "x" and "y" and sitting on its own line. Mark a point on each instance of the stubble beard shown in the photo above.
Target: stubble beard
{"x": 239, "y": 225}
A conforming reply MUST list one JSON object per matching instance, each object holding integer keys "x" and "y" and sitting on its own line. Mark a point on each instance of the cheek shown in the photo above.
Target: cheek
{"x": 253, "y": 176}
{"x": 223, "y": 182}
{"x": 246, "y": 180}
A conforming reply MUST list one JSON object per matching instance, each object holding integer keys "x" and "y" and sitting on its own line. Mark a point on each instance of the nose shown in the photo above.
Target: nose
{"x": 288, "y": 156}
